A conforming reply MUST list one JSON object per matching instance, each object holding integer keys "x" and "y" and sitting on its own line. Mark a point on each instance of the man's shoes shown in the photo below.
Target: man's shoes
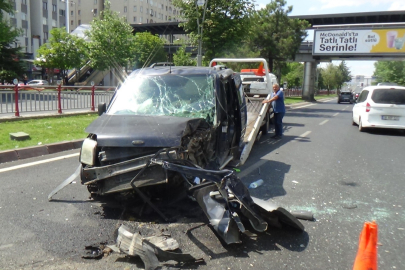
{"x": 276, "y": 137}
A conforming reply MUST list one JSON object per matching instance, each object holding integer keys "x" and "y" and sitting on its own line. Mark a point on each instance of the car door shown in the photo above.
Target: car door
{"x": 360, "y": 106}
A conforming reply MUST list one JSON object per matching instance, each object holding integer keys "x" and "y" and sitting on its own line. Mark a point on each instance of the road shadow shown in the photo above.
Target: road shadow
{"x": 386, "y": 132}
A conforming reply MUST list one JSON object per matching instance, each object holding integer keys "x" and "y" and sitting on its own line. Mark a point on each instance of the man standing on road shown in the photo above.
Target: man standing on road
{"x": 277, "y": 102}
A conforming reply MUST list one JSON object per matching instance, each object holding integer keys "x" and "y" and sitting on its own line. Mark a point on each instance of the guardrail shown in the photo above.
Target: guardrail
{"x": 17, "y": 99}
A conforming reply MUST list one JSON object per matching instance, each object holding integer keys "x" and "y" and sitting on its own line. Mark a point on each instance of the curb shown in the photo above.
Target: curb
{"x": 36, "y": 151}
{"x": 40, "y": 116}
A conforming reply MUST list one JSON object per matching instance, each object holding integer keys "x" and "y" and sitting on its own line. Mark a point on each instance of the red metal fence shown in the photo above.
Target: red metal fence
{"x": 26, "y": 98}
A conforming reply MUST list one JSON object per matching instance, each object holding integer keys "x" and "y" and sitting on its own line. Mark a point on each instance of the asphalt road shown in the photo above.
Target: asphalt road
{"x": 323, "y": 164}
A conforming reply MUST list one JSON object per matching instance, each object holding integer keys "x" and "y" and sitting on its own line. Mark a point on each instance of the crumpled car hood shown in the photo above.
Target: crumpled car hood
{"x": 140, "y": 130}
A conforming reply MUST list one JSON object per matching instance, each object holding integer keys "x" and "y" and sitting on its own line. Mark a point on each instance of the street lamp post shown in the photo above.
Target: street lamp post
{"x": 200, "y": 3}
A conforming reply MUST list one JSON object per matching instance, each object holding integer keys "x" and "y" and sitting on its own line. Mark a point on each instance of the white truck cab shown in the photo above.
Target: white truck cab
{"x": 256, "y": 84}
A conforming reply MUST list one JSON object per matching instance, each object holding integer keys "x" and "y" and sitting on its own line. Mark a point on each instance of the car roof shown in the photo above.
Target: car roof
{"x": 372, "y": 88}
{"x": 178, "y": 70}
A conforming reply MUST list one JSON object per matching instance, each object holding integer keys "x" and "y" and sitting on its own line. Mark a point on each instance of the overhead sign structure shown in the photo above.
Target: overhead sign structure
{"x": 359, "y": 42}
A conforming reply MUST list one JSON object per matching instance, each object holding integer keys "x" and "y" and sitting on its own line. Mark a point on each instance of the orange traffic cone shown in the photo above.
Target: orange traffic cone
{"x": 366, "y": 258}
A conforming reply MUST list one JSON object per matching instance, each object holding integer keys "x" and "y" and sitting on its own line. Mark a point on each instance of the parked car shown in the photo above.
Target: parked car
{"x": 38, "y": 82}
{"x": 345, "y": 96}
{"x": 380, "y": 107}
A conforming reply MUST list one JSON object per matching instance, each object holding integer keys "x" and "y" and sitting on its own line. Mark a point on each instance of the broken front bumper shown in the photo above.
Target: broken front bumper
{"x": 117, "y": 177}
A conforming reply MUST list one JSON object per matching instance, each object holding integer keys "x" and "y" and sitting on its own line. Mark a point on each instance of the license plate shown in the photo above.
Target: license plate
{"x": 390, "y": 117}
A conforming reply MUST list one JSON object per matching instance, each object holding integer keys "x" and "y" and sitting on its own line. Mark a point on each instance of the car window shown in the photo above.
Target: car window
{"x": 173, "y": 95}
{"x": 363, "y": 96}
{"x": 346, "y": 94}
{"x": 389, "y": 96}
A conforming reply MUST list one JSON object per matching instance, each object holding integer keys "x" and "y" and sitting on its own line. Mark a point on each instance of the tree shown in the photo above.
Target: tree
{"x": 275, "y": 35}
{"x": 10, "y": 64}
{"x": 225, "y": 25}
{"x": 63, "y": 51}
{"x": 343, "y": 75}
{"x": 329, "y": 76}
{"x": 148, "y": 49}
{"x": 390, "y": 71}
{"x": 111, "y": 41}
{"x": 182, "y": 58}
{"x": 294, "y": 74}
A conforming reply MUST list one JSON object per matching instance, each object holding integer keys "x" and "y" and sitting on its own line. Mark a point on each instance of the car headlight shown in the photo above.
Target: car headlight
{"x": 88, "y": 152}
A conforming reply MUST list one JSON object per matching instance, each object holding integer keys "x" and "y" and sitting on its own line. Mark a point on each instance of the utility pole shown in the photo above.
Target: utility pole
{"x": 200, "y": 29}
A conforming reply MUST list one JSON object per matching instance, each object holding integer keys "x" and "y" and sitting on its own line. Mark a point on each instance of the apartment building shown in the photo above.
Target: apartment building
{"x": 134, "y": 11}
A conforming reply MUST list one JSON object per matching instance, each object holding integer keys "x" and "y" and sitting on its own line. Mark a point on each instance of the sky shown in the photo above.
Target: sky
{"x": 312, "y": 7}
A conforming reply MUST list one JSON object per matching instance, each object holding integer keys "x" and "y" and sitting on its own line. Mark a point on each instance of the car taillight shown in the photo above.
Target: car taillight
{"x": 357, "y": 95}
{"x": 368, "y": 107}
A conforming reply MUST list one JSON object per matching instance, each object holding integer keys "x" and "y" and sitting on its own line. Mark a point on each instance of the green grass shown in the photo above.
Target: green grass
{"x": 45, "y": 130}
{"x": 292, "y": 100}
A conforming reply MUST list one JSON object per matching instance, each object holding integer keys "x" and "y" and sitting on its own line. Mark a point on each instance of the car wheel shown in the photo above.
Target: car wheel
{"x": 361, "y": 128}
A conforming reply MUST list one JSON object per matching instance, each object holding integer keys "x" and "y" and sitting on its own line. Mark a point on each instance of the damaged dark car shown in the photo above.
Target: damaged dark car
{"x": 179, "y": 127}
{"x": 198, "y": 113}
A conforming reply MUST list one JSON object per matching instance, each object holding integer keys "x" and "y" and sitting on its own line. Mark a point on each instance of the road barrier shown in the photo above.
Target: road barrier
{"x": 19, "y": 99}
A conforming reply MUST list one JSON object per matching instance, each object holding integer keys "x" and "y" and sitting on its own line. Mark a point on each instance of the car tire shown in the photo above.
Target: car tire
{"x": 353, "y": 123}
{"x": 361, "y": 128}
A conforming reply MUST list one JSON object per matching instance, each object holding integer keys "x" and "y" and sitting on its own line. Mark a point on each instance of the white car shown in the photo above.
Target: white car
{"x": 38, "y": 82}
{"x": 380, "y": 107}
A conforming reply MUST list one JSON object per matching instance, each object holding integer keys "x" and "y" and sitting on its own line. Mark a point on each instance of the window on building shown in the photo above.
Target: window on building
{"x": 45, "y": 35}
{"x": 72, "y": 13}
{"x": 53, "y": 23}
{"x": 61, "y": 12}
{"x": 45, "y": 5}
{"x": 24, "y": 2}
{"x": 140, "y": 19}
{"x": 141, "y": 9}
{"x": 95, "y": 2}
{"x": 134, "y": 8}
{"x": 147, "y": 20}
{"x": 23, "y": 16}
{"x": 78, "y": 12}
{"x": 54, "y": 8}
{"x": 80, "y": 1}
{"x": 125, "y": 9}
{"x": 147, "y": 11}
{"x": 79, "y": 22}
{"x": 44, "y": 21}
{"x": 134, "y": 19}
{"x": 95, "y": 12}
{"x": 71, "y": 22}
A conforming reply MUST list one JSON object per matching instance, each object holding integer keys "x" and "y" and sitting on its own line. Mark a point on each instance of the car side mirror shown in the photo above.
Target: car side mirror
{"x": 102, "y": 108}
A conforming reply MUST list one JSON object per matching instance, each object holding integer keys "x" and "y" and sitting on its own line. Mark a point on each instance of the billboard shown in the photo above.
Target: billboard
{"x": 358, "y": 42}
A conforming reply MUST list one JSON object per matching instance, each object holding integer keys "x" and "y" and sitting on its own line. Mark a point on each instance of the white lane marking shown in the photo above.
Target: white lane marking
{"x": 327, "y": 100}
{"x": 345, "y": 108}
{"x": 323, "y": 122}
{"x": 303, "y": 106}
{"x": 6, "y": 246}
{"x": 302, "y": 136}
{"x": 37, "y": 162}
{"x": 336, "y": 114}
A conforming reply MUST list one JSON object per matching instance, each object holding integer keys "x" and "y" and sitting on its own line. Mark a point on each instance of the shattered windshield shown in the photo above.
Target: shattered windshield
{"x": 190, "y": 95}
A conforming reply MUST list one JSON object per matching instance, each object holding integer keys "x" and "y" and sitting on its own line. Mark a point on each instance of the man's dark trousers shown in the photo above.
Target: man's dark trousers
{"x": 278, "y": 123}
